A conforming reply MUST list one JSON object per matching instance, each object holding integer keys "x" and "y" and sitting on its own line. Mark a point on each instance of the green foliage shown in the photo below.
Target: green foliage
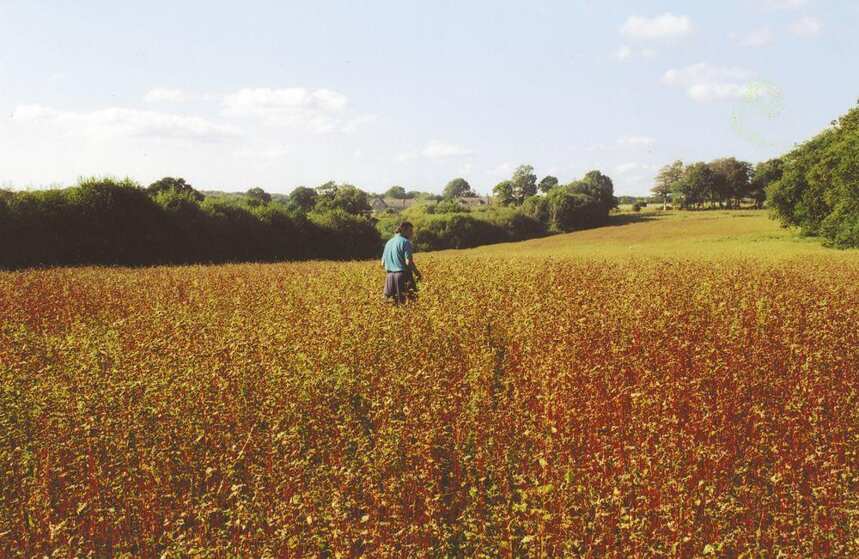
{"x": 503, "y": 192}
{"x": 668, "y": 180}
{"x": 258, "y": 196}
{"x": 547, "y": 183}
{"x": 571, "y": 209}
{"x": 524, "y": 183}
{"x": 457, "y": 188}
{"x": 343, "y": 197}
{"x": 461, "y": 229}
{"x": 817, "y": 189}
{"x": 303, "y": 199}
{"x": 696, "y": 185}
{"x": 396, "y": 192}
{"x": 599, "y": 187}
{"x": 175, "y": 185}
{"x": 447, "y": 206}
{"x": 108, "y": 221}
{"x": 537, "y": 207}
{"x": 732, "y": 181}
{"x": 765, "y": 173}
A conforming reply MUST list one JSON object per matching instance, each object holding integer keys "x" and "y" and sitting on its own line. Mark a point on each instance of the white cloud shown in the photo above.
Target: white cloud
{"x": 442, "y": 150}
{"x": 704, "y": 82}
{"x": 636, "y": 141}
{"x": 319, "y": 110}
{"x": 625, "y": 52}
{"x": 755, "y": 39}
{"x": 270, "y": 153}
{"x": 352, "y": 124}
{"x": 664, "y": 26}
{"x": 806, "y": 27}
{"x": 160, "y": 94}
{"x": 117, "y": 121}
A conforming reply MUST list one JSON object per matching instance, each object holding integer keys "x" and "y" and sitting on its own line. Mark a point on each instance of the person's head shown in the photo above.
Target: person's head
{"x": 405, "y": 229}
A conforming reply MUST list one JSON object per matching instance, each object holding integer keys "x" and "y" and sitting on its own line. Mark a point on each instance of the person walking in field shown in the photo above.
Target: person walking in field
{"x": 398, "y": 261}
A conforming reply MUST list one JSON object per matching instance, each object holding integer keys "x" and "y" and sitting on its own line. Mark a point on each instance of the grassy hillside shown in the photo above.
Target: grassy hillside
{"x": 654, "y": 233}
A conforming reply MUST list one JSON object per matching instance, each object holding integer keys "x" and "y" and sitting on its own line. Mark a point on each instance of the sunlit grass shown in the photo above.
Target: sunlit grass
{"x": 699, "y": 235}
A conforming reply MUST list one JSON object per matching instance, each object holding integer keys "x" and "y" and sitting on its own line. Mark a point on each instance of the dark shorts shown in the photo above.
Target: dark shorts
{"x": 399, "y": 286}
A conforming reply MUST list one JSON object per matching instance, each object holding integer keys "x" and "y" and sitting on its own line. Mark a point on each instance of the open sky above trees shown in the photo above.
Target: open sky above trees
{"x": 280, "y": 94}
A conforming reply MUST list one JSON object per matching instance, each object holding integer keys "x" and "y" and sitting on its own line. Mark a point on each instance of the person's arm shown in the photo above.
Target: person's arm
{"x": 410, "y": 261}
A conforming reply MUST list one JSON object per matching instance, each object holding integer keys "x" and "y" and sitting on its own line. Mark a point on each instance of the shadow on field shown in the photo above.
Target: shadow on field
{"x": 626, "y": 219}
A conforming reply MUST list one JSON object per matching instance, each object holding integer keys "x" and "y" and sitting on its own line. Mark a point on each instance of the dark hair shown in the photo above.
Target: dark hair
{"x": 402, "y": 227}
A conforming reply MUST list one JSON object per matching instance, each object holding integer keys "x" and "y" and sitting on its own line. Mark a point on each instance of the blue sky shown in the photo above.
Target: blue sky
{"x": 231, "y": 95}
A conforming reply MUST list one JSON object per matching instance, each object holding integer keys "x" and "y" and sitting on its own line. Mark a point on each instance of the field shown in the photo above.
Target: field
{"x": 674, "y": 385}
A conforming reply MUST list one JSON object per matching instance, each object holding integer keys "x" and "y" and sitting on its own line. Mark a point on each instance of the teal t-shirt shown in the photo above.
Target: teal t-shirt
{"x": 397, "y": 250}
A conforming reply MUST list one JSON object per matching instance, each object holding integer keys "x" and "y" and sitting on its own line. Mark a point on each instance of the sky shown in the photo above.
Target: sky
{"x": 277, "y": 94}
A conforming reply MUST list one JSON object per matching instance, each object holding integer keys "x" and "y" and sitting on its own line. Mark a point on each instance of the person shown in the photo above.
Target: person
{"x": 399, "y": 263}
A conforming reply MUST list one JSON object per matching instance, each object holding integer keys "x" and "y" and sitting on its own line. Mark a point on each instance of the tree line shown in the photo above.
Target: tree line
{"x": 723, "y": 183}
{"x": 110, "y": 221}
{"x": 816, "y": 186}
{"x": 523, "y": 208}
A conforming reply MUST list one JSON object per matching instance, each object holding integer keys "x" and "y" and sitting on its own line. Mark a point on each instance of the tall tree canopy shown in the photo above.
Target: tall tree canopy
{"x": 396, "y": 192}
{"x": 731, "y": 181}
{"x": 457, "y": 188}
{"x": 345, "y": 197}
{"x": 819, "y": 186}
{"x": 177, "y": 185}
{"x": 503, "y": 192}
{"x": 547, "y": 183}
{"x": 524, "y": 183}
{"x": 765, "y": 173}
{"x": 668, "y": 180}
{"x": 258, "y": 195}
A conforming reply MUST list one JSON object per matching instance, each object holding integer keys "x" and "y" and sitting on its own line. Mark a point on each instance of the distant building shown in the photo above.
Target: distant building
{"x": 377, "y": 204}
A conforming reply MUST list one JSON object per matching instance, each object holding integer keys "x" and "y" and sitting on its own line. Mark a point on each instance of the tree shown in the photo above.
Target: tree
{"x": 503, "y": 192}
{"x": 668, "y": 181}
{"x": 523, "y": 183}
{"x": 327, "y": 190}
{"x": 569, "y": 210}
{"x": 396, "y": 192}
{"x": 731, "y": 180}
{"x": 177, "y": 185}
{"x": 345, "y": 197}
{"x": 818, "y": 187}
{"x": 547, "y": 183}
{"x": 448, "y": 206}
{"x": 598, "y": 186}
{"x": 258, "y": 196}
{"x": 457, "y": 188}
{"x": 765, "y": 173}
{"x": 303, "y": 198}
{"x": 696, "y": 185}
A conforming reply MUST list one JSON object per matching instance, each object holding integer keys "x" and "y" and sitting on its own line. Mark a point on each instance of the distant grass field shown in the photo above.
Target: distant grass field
{"x": 654, "y": 233}
{"x": 673, "y": 385}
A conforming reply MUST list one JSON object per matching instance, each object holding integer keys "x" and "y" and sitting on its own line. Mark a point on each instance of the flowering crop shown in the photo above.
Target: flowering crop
{"x": 526, "y": 407}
